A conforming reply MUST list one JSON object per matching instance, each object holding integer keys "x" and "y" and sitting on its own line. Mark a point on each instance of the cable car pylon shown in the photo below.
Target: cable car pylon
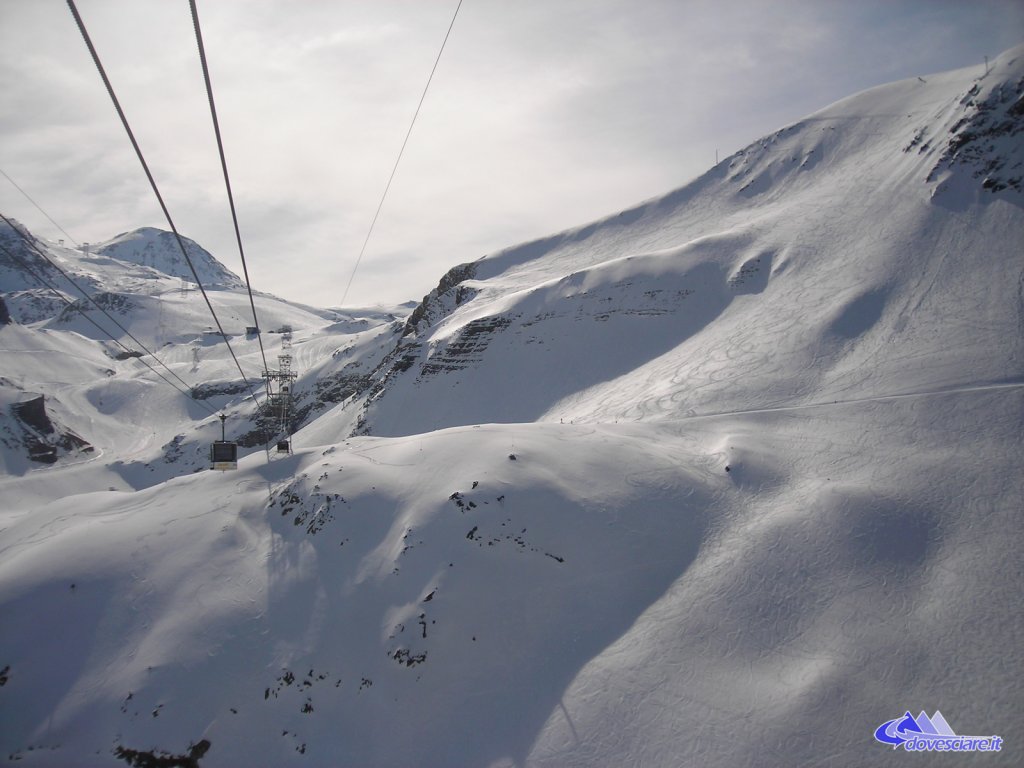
{"x": 280, "y": 404}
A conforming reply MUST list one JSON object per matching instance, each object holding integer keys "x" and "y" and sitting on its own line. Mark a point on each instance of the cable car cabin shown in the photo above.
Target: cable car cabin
{"x": 224, "y": 455}
{"x": 283, "y": 447}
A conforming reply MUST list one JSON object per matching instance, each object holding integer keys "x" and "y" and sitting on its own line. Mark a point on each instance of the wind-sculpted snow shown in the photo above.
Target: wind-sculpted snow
{"x": 821, "y": 262}
{"x": 362, "y": 592}
{"x": 624, "y": 591}
{"x": 847, "y": 580}
{"x": 730, "y": 478}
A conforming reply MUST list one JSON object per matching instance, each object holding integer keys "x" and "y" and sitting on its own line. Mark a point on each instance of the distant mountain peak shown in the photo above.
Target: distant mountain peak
{"x": 159, "y": 249}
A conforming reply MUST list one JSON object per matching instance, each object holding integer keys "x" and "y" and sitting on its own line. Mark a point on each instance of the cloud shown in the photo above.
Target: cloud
{"x": 541, "y": 115}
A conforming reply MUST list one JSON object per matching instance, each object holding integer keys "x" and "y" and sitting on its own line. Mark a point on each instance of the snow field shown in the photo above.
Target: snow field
{"x": 727, "y": 479}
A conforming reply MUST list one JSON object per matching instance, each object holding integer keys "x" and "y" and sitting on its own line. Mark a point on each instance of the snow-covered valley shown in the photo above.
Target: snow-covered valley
{"x": 727, "y": 479}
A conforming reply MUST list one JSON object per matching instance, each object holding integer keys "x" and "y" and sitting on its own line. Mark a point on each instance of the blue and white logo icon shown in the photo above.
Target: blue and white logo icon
{"x": 932, "y": 734}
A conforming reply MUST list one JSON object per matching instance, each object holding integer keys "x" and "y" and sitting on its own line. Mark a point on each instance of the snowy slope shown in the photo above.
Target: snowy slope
{"x": 728, "y": 479}
{"x": 610, "y": 597}
{"x": 828, "y": 261}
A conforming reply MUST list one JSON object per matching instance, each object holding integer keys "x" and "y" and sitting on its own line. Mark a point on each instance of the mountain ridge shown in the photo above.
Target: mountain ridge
{"x": 741, "y": 215}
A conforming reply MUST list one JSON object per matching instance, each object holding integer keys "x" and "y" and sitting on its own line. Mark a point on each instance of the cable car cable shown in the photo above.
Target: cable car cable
{"x": 394, "y": 170}
{"x": 227, "y": 180}
{"x": 152, "y": 183}
{"x": 27, "y": 197}
{"x": 231, "y": 198}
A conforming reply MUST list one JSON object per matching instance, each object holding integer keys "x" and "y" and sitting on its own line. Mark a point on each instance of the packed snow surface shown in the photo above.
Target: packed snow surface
{"x": 727, "y": 479}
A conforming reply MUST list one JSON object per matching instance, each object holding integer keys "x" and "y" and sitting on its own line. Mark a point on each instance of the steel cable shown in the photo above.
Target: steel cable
{"x": 152, "y": 182}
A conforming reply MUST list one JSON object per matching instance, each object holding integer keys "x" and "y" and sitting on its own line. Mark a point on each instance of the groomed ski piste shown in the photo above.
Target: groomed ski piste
{"x": 731, "y": 478}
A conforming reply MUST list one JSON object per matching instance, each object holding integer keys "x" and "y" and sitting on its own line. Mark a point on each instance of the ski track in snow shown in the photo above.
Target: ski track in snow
{"x": 989, "y": 387}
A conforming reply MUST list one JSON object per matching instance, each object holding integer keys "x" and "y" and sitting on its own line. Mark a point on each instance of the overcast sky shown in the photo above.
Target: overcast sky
{"x": 543, "y": 114}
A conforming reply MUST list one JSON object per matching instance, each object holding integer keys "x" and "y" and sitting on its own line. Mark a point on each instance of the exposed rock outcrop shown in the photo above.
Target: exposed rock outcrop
{"x": 43, "y": 441}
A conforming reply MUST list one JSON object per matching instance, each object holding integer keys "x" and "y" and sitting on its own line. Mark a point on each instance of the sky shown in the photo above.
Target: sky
{"x": 542, "y": 115}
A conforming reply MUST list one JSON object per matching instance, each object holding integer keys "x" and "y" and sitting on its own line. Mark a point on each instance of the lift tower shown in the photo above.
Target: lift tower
{"x": 280, "y": 404}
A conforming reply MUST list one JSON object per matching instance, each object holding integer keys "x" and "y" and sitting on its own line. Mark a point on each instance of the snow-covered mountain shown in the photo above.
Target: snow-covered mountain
{"x": 813, "y": 265}
{"x": 730, "y": 478}
{"x": 158, "y": 249}
{"x": 144, "y": 262}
